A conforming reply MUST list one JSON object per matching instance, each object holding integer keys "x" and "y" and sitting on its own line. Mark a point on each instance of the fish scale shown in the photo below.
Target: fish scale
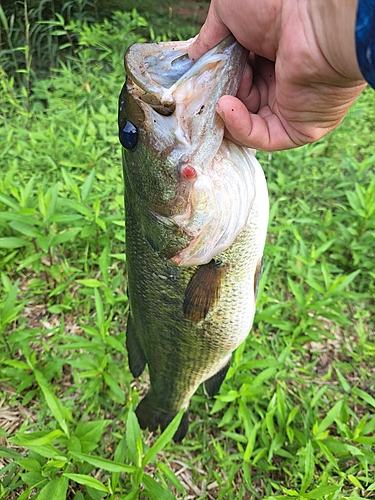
{"x": 186, "y": 320}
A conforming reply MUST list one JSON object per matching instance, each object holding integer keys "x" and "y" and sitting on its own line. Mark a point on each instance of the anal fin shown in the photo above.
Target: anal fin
{"x": 136, "y": 358}
{"x": 152, "y": 418}
{"x": 213, "y": 384}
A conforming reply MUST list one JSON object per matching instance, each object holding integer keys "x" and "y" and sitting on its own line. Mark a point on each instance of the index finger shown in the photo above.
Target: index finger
{"x": 211, "y": 33}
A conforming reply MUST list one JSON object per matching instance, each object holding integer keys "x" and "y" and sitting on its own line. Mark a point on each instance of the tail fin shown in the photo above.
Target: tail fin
{"x": 151, "y": 418}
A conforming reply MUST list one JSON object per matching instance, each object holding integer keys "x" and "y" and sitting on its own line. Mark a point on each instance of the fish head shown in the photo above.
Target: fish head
{"x": 173, "y": 146}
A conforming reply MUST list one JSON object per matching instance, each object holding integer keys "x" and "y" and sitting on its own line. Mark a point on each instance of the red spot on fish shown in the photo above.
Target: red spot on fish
{"x": 188, "y": 172}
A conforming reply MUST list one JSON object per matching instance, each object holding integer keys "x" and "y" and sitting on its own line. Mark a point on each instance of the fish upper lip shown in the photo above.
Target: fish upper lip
{"x": 150, "y": 87}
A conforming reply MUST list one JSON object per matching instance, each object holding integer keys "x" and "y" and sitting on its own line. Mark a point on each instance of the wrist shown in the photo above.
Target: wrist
{"x": 334, "y": 23}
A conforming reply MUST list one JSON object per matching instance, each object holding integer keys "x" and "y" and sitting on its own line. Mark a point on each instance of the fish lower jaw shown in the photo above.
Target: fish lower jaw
{"x": 219, "y": 205}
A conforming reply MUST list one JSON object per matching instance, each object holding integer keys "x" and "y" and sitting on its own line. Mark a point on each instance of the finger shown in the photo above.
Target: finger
{"x": 247, "y": 92}
{"x": 260, "y": 131}
{"x": 211, "y": 33}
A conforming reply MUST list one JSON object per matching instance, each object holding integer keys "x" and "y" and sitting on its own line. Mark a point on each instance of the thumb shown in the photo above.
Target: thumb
{"x": 211, "y": 33}
{"x": 264, "y": 130}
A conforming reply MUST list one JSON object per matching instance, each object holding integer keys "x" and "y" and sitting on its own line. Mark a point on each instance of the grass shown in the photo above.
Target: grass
{"x": 295, "y": 417}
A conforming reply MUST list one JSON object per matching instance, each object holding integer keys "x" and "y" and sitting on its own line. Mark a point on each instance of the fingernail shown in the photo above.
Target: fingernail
{"x": 220, "y": 113}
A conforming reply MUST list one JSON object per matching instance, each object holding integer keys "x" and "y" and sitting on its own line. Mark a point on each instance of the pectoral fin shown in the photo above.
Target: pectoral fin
{"x": 203, "y": 290}
{"x": 136, "y": 357}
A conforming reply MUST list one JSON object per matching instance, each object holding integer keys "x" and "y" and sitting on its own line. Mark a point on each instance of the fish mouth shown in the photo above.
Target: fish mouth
{"x": 215, "y": 178}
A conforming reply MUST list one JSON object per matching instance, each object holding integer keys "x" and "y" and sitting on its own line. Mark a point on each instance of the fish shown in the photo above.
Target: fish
{"x": 196, "y": 214}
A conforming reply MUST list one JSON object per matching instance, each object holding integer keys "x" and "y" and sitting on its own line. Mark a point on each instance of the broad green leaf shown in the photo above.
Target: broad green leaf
{"x": 297, "y": 292}
{"x": 10, "y": 202}
{"x": 264, "y": 376}
{"x": 9, "y": 453}
{"x": 116, "y": 344}
{"x": 25, "y": 494}
{"x": 291, "y": 493}
{"x": 55, "y": 490}
{"x": 78, "y": 207}
{"x": 13, "y": 216}
{"x": 229, "y": 396}
{"x": 25, "y": 229}
{"x": 13, "y": 242}
{"x": 104, "y": 263}
{"x": 51, "y": 199}
{"x": 103, "y": 463}
{"x": 65, "y": 236}
{"x": 11, "y": 298}
{"x": 281, "y": 406}
{"x": 30, "y": 440}
{"x": 74, "y": 444}
{"x": 323, "y": 248}
{"x": 363, "y": 395}
{"x": 329, "y": 456}
{"x": 320, "y": 492}
{"x": 330, "y": 418}
{"x": 343, "y": 381}
{"x": 309, "y": 467}
{"x": 99, "y": 311}
{"x": 133, "y": 495}
{"x": 60, "y": 413}
{"x": 171, "y": 476}
{"x": 251, "y": 443}
{"x": 90, "y": 282}
{"x": 292, "y": 415}
{"x": 270, "y": 424}
{"x": 120, "y": 456}
{"x": 342, "y": 282}
{"x": 65, "y": 218}
{"x": 71, "y": 184}
{"x": 90, "y": 433}
{"x": 33, "y": 478}
{"x": 245, "y": 416}
{"x": 87, "y": 185}
{"x": 133, "y": 433}
{"x": 89, "y": 481}
{"x": 46, "y": 451}
{"x": 118, "y": 393}
{"x": 29, "y": 260}
{"x": 315, "y": 400}
{"x": 156, "y": 490}
{"x": 42, "y": 203}
{"x": 354, "y": 481}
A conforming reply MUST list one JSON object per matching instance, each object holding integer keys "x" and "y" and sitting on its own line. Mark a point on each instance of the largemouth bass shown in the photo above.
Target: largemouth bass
{"x": 196, "y": 218}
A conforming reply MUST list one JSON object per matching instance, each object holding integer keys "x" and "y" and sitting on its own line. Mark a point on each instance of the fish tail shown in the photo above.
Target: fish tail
{"x": 151, "y": 418}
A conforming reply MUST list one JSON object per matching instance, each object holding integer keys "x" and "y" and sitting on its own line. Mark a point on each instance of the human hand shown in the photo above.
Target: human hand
{"x": 302, "y": 75}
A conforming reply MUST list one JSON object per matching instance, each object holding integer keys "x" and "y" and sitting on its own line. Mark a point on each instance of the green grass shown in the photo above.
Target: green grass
{"x": 295, "y": 417}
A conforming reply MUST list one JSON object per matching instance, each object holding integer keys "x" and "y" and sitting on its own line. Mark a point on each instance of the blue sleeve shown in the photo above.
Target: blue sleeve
{"x": 365, "y": 39}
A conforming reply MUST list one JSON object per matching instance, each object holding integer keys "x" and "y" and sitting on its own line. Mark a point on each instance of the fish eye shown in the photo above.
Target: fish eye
{"x": 128, "y": 136}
